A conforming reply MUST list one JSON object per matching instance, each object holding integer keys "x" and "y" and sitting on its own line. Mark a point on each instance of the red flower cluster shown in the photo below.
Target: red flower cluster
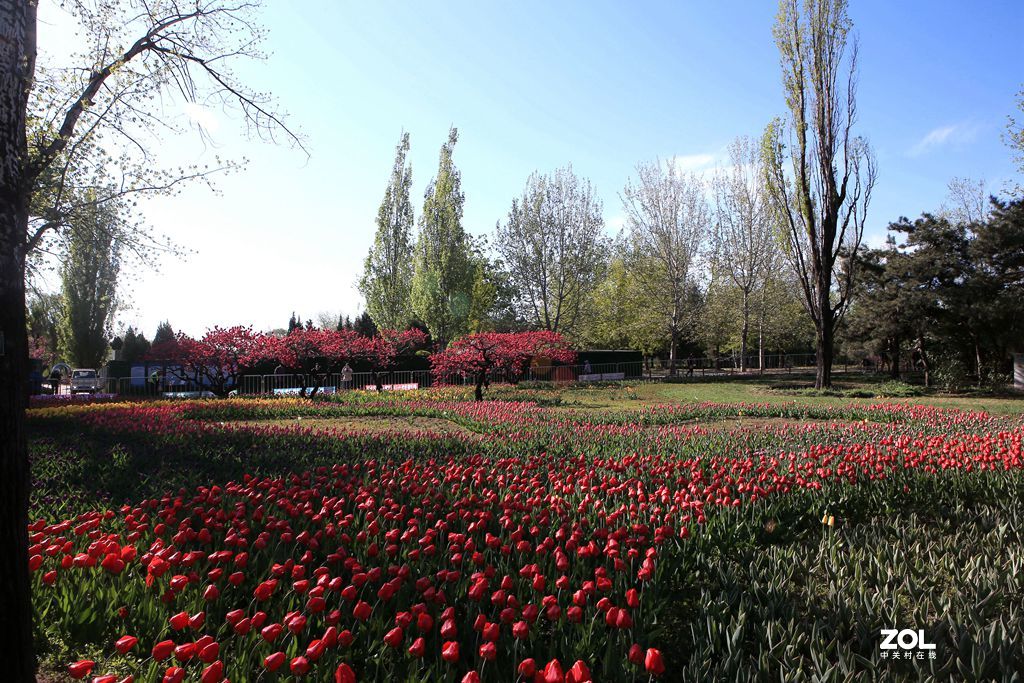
{"x": 451, "y": 566}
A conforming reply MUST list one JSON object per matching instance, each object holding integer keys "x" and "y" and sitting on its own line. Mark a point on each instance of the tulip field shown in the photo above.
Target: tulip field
{"x": 249, "y": 539}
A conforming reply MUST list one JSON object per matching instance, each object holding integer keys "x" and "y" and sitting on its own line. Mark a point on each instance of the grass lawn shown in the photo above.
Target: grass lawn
{"x": 774, "y": 389}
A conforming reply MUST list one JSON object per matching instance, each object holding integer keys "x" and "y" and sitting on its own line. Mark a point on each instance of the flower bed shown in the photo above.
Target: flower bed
{"x": 549, "y": 543}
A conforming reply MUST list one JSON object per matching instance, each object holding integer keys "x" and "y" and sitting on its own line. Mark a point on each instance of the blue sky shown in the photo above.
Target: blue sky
{"x": 534, "y": 86}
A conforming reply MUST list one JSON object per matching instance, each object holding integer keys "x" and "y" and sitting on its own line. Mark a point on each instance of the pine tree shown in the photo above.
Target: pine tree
{"x": 387, "y": 275}
{"x": 164, "y": 333}
{"x": 136, "y": 345}
{"x": 442, "y": 281}
{"x": 364, "y": 325}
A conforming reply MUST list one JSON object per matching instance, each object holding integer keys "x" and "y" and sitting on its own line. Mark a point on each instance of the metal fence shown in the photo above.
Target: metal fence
{"x": 784, "y": 363}
{"x": 177, "y": 387}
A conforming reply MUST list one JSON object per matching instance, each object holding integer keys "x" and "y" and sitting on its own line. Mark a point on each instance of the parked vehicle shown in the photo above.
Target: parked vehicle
{"x": 85, "y": 381}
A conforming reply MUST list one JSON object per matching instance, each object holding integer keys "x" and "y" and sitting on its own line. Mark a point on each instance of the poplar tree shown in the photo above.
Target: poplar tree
{"x": 822, "y": 203}
{"x": 442, "y": 282}
{"x": 89, "y": 284}
{"x": 386, "y": 284}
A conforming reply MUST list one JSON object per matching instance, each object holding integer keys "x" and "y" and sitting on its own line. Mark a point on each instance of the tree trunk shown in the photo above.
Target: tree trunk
{"x": 823, "y": 357}
{"x": 894, "y": 354}
{"x": 16, "y": 617}
{"x": 673, "y": 351}
{"x": 977, "y": 361}
{"x": 744, "y": 331}
{"x": 924, "y": 362}
{"x": 17, "y": 63}
{"x": 478, "y": 391}
{"x": 760, "y": 336}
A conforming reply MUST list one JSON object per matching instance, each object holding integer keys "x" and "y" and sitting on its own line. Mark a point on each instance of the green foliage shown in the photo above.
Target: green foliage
{"x": 442, "y": 281}
{"x": 619, "y": 318}
{"x": 952, "y": 295}
{"x": 44, "y": 318}
{"x": 553, "y": 244}
{"x": 92, "y": 263}
{"x": 165, "y": 333}
{"x": 387, "y": 274}
{"x": 134, "y": 346}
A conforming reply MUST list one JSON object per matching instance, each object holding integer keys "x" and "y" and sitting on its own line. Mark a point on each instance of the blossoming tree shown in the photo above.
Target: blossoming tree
{"x": 480, "y": 355}
{"x": 216, "y": 361}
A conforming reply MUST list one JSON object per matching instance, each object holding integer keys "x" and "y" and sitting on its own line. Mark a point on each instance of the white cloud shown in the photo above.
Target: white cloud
{"x": 958, "y": 133}
{"x": 202, "y": 116}
{"x": 693, "y": 162}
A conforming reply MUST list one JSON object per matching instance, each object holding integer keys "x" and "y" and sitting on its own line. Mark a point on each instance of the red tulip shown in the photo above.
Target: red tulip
{"x": 450, "y": 651}
{"x": 209, "y": 653}
{"x": 300, "y": 666}
{"x": 163, "y": 650}
{"x": 271, "y": 632}
{"x": 125, "y": 643}
{"x": 527, "y": 668}
{"x": 636, "y": 654}
{"x": 579, "y": 673}
{"x": 174, "y": 674}
{"x": 213, "y": 673}
{"x": 362, "y": 611}
{"x": 553, "y": 672}
{"x": 81, "y": 669}
{"x": 393, "y": 638}
{"x": 296, "y": 624}
{"x": 418, "y": 647}
{"x": 185, "y": 652}
{"x": 274, "y": 661}
{"x": 653, "y": 662}
{"x": 471, "y": 677}
{"x": 344, "y": 674}
{"x": 488, "y": 651}
{"x": 520, "y": 630}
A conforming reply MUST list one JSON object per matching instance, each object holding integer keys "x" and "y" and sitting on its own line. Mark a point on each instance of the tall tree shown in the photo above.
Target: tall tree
{"x": 164, "y": 332}
{"x": 89, "y": 276}
{"x": 668, "y": 226}
{"x": 135, "y": 346}
{"x": 554, "y": 248}
{"x": 966, "y": 201}
{"x": 823, "y": 205}
{"x": 744, "y": 229}
{"x": 442, "y": 282}
{"x": 620, "y": 317}
{"x": 1014, "y": 138}
{"x": 364, "y": 325}
{"x": 159, "y": 52}
{"x": 386, "y": 283}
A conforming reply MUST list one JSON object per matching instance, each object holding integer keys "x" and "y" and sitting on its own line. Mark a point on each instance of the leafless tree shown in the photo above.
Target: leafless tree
{"x": 744, "y": 231}
{"x": 822, "y": 203}
{"x": 553, "y": 246}
{"x": 59, "y": 128}
{"x": 668, "y": 227}
{"x": 966, "y": 202}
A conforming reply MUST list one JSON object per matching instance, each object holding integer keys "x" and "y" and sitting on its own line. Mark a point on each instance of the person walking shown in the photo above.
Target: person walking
{"x": 689, "y": 366}
{"x": 346, "y": 377}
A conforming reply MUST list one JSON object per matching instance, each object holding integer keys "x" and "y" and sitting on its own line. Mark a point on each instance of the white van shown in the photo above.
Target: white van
{"x": 84, "y": 380}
